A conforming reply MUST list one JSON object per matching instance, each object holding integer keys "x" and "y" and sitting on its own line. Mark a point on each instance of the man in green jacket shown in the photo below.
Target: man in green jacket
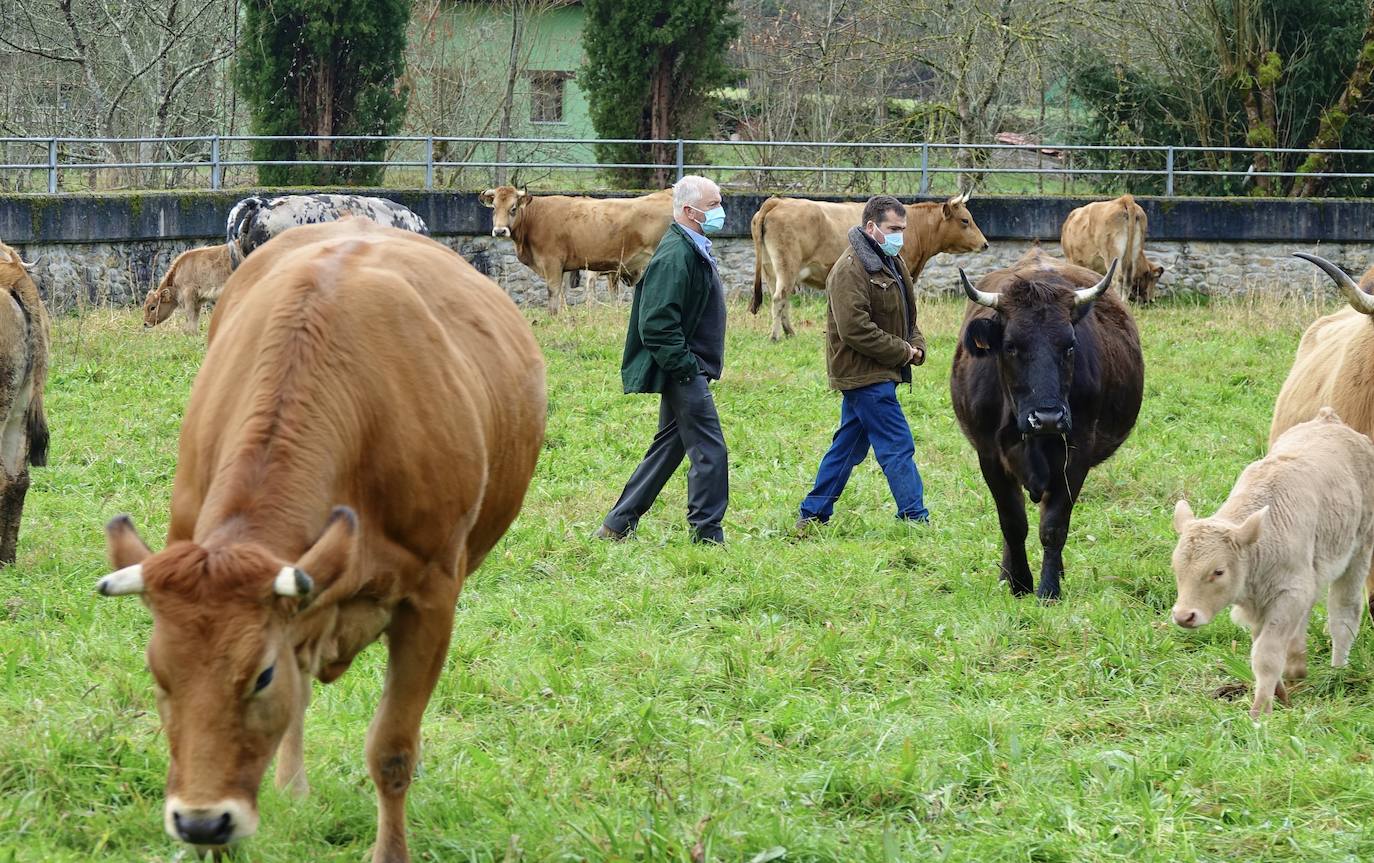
{"x": 675, "y": 344}
{"x": 871, "y": 344}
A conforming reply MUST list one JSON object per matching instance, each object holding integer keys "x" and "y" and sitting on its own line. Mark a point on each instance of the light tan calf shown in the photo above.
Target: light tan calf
{"x": 799, "y": 241}
{"x": 1095, "y": 234}
{"x": 23, "y": 375}
{"x": 1298, "y": 521}
{"x": 194, "y": 280}
{"x": 558, "y": 234}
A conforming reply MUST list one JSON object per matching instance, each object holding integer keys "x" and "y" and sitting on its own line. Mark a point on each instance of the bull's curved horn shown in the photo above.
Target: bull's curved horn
{"x": 963, "y": 198}
{"x": 1359, "y": 300}
{"x": 29, "y": 265}
{"x": 292, "y": 582}
{"x": 122, "y": 581}
{"x": 1087, "y": 295}
{"x": 982, "y": 298}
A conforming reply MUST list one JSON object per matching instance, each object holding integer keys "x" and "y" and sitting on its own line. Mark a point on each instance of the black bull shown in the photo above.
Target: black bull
{"x": 1047, "y": 382}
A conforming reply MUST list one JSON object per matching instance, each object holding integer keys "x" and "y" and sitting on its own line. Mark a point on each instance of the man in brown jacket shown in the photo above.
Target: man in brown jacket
{"x": 871, "y": 344}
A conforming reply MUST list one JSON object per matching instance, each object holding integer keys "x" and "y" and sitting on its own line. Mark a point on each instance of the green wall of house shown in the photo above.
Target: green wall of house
{"x": 552, "y": 43}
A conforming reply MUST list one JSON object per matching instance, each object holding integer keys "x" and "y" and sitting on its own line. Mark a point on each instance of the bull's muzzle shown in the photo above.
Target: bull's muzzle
{"x": 1048, "y": 421}
{"x": 500, "y": 232}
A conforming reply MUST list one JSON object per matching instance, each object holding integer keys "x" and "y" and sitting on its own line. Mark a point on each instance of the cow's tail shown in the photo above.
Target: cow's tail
{"x": 1133, "y": 234}
{"x": 35, "y": 418}
{"x": 756, "y": 228}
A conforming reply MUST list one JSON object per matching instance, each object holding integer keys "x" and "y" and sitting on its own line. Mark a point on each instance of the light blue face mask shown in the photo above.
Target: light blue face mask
{"x": 715, "y": 219}
{"x": 892, "y": 243}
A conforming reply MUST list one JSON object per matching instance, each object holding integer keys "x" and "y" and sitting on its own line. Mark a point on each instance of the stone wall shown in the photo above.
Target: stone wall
{"x": 81, "y": 275}
{"x": 110, "y": 249}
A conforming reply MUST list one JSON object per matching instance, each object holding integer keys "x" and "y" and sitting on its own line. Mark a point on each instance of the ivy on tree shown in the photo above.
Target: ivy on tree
{"x": 650, "y": 69}
{"x": 322, "y": 67}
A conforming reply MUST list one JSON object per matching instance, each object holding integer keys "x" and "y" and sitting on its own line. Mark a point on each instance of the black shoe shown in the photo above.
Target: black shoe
{"x": 708, "y": 539}
{"x": 609, "y": 535}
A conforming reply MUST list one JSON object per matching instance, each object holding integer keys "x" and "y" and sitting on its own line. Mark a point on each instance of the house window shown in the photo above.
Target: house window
{"x": 546, "y": 96}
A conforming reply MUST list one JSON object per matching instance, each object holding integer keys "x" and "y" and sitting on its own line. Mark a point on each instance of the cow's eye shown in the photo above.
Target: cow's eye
{"x": 264, "y": 678}
{"x": 512, "y": 211}
{"x": 1217, "y": 573}
{"x": 965, "y": 221}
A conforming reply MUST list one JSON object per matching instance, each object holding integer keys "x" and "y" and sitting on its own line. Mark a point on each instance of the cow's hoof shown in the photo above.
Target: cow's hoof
{"x": 1048, "y": 594}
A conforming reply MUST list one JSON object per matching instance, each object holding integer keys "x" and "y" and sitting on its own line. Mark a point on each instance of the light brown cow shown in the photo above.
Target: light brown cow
{"x": 23, "y": 375}
{"x": 797, "y": 240}
{"x": 1298, "y": 521}
{"x": 1096, "y": 234}
{"x": 558, "y": 234}
{"x": 1334, "y": 366}
{"x": 193, "y": 280}
{"x": 361, "y": 433}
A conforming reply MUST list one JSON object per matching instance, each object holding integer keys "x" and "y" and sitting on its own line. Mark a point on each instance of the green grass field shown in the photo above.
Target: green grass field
{"x": 872, "y": 694}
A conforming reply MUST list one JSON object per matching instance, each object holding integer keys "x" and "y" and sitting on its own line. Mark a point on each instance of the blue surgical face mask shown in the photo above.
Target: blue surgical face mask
{"x": 892, "y": 243}
{"x": 714, "y": 221}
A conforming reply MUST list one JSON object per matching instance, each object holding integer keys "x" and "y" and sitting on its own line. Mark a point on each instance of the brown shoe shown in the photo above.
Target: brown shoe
{"x": 806, "y": 527}
{"x": 609, "y": 535}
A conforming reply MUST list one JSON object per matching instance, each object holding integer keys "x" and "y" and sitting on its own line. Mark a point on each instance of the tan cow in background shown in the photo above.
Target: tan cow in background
{"x": 194, "y": 280}
{"x": 558, "y": 234}
{"x": 23, "y": 375}
{"x": 1096, "y": 234}
{"x": 798, "y": 241}
{"x": 360, "y": 435}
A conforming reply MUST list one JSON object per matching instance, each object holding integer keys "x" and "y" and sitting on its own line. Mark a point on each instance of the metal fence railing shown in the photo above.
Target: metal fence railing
{"x": 66, "y": 164}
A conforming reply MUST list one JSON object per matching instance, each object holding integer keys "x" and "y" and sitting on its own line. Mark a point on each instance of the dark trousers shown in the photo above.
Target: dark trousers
{"x": 870, "y": 416}
{"x": 687, "y": 425}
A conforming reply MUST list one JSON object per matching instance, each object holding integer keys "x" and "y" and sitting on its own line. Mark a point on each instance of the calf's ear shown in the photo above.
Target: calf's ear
{"x": 1250, "y": 530}
{"x": 330, "y": 556}
{"x": 1183, "y": 513}
{"x": 983, "y": 336}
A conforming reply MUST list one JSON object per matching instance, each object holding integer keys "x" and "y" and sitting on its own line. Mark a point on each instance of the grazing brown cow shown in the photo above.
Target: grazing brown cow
{"x": 1334, "y": 366}
{"x": 1096, "y": 234}
{"x": 194, "y": 279}
{"x": 558, "y": 234}
{"x": 360, "y": 435}
{"x": 796, "y": 240}
{"x": 23, "y": 375}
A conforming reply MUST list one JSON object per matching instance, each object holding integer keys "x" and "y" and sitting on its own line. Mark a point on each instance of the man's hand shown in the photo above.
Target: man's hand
{"x": 914, "y": 355}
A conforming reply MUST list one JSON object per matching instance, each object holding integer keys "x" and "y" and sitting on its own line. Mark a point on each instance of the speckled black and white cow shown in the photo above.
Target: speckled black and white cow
{"x": 255, "y": 220}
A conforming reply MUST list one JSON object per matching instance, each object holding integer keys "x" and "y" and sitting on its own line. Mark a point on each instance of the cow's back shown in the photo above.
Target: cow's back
{"x": 409, "y": 377}
{"x": 600, "y": 234}
{"x": 1334, "y": 367}
{"x": 811, "y": 235}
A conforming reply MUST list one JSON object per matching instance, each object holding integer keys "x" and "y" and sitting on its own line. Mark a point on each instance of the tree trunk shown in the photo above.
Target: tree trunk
{"x": 1256, "y": 137}
{"x": 1333, "y": 119}
{"x": 660, "y": 118}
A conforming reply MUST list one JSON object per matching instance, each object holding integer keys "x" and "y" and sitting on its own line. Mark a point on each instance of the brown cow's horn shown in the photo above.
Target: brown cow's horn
{"x": 122, "y": 581}
{"x": 29, "y": 265}
{"x": 1087, "y": 295}
{"x": 982, "y": 298}
{"x": 291, "y": 581}
{"x": 1359, "y": 300}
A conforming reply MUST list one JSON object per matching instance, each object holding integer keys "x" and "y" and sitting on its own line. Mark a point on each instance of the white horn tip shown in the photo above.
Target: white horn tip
{"x": 122, "y": 582}
{"x": 292, "y": 582}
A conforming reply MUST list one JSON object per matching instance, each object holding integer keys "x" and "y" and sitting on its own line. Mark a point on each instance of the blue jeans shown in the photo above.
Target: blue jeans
{"x": 871, "y": 416}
